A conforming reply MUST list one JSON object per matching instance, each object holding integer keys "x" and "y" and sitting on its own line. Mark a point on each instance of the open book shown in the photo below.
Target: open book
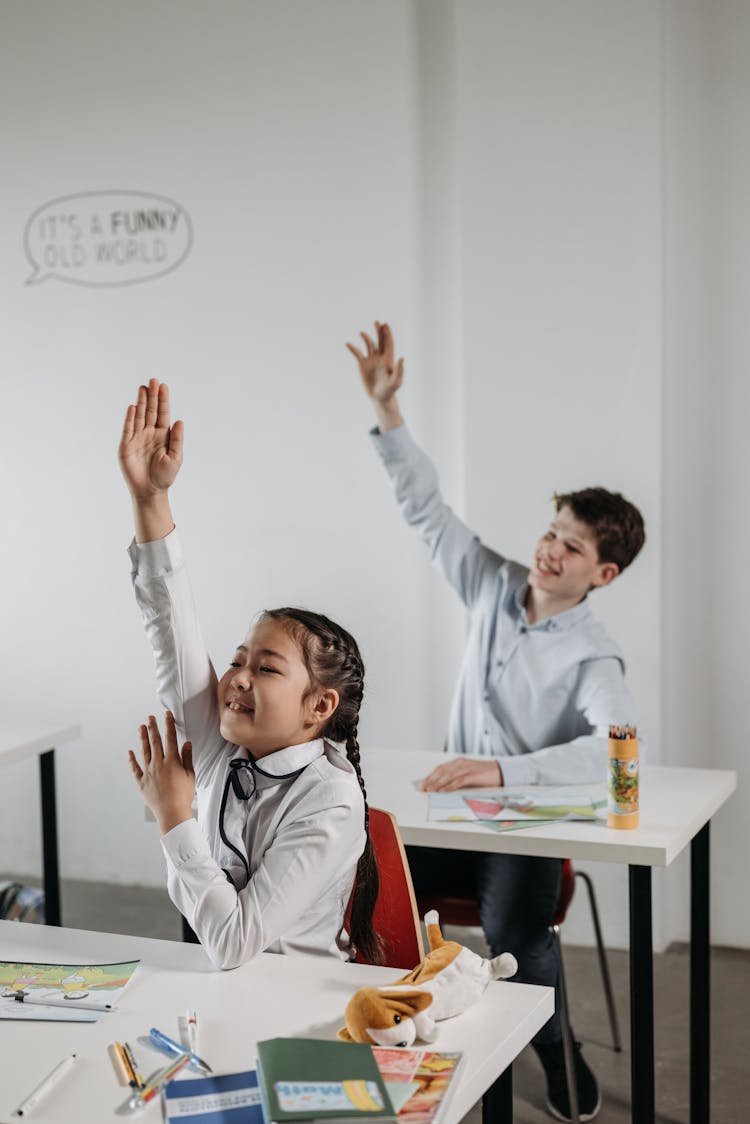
{"x": 515, "y": 807}
{"x": 420, "y": 1081}
{"x": 61, "y": 992}
{"x": 417, "y": 1082}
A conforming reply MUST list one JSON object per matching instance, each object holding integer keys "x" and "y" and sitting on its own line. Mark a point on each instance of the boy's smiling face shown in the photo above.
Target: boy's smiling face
{"x": 566, "y": 561}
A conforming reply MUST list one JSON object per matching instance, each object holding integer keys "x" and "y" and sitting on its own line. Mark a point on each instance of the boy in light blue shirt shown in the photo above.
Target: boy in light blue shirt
{"x": 539, "y": 686}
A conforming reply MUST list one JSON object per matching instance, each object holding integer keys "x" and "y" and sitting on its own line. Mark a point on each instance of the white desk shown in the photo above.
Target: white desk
{"x": 271, "y": 995}
{"x": 676, "y": 808}
{"x": 19, "y": 740}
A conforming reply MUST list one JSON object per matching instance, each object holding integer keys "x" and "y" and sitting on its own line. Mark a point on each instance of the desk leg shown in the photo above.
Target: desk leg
{"x": 641, "y": 997}
{"x": 188, "y": 936}
{"x": 700, "y": 980}
{"x": 497, "y": 1102}
{"x": 49, "y": 838}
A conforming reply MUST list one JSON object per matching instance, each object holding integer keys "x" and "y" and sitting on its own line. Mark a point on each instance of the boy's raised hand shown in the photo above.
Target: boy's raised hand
{"x": 382, "y": 374}
{"x": 150, "y": 452}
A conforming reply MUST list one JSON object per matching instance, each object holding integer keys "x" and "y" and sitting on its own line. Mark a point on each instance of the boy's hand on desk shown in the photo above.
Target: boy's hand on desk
{"x": 166, "y": 780}
{"x": 463, "y": 773}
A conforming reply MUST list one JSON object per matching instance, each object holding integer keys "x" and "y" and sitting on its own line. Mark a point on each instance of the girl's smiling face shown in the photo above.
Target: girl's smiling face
{"x": 265, "y": 701}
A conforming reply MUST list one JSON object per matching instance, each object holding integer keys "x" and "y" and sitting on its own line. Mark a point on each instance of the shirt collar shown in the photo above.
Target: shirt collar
{"x": 276, "y": 766}
{"x": 557, "y": 623}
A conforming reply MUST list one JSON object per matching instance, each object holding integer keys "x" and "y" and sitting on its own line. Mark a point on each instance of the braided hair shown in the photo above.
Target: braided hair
{"x": 333, "y": 661}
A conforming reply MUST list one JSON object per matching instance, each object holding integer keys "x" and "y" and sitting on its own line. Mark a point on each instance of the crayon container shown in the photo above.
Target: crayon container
{"x": 622, "y": 778}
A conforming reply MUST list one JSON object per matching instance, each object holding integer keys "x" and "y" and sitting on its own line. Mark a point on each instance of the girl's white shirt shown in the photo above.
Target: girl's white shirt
{"x": 302, "y": 836}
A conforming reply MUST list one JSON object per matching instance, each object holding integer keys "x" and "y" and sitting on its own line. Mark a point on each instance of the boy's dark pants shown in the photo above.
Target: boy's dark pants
{"x": 517, "y": 896}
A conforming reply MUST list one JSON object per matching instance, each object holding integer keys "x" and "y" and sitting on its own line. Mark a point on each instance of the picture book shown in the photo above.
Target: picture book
{"x": 308, "y": 1079}
{"x": 231, "y": 1099}
{"x": 429, "y": 1078}
{"x": 529, "y": 807}
{"x": 61, "y": 992}
{"x": 512, "y": 825}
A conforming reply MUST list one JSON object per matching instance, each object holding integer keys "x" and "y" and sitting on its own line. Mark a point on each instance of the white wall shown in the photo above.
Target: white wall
{"x": 287, "y": 132}
{"x": 689, "y": 679}
{"x": 548, "y": 203}
{"x": 439, "y": 425}
{"x": 561, "y": 234}
{"x": 728, "y": 153}
{"x": 706, "y": 611}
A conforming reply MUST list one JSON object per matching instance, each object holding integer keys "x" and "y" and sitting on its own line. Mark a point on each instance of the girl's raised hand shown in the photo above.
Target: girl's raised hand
{"x": 150, "y": 452}
{"x": 166, "y": 778}
{"x": 382, "y": 375}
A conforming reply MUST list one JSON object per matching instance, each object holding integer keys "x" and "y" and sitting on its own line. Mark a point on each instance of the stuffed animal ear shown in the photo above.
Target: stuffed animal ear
{"x": 405, "y": 1002}
{"x": 343, "y": 1034}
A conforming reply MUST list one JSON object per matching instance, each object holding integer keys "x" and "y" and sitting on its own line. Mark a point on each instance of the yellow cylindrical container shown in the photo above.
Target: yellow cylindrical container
{"x": 622, "y": 782}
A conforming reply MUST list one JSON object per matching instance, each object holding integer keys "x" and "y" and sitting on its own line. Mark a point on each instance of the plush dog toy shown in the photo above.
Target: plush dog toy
{"x": 449, "y": 979}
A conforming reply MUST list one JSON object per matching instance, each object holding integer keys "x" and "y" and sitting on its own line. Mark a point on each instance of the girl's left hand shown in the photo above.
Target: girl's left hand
{"x": 167, "y": 779}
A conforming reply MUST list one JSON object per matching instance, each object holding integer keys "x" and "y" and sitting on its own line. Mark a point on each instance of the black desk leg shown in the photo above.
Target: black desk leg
{"x": 700, "y": 980}
{"x": 497, "y": 1102}
{"x": 641, "y": 997}
{"x": 49, "y": 838}
{"x": 188, "y": 936}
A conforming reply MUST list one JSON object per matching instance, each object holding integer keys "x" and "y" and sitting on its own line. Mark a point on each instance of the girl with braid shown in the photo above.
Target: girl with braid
{"x": 282, "y": 835}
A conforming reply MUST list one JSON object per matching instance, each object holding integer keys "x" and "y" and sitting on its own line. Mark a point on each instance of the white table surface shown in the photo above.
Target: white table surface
{"x": 270, "y": 996}
{"x": 28, "y": 739}
{"x": 675, "y": 804}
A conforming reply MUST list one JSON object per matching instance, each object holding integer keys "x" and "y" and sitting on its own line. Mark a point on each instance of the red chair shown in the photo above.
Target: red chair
{"x": 395, "y": 918}
{"x": 455, "y": 910}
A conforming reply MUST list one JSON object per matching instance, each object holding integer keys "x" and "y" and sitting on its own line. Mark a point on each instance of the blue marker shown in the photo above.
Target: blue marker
{"x": 171, "y": 1047}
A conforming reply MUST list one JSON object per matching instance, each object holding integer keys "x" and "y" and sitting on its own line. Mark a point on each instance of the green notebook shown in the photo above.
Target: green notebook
{"x": 307, "y": 1079}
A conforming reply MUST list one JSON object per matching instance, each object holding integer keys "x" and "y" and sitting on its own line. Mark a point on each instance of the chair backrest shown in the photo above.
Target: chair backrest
{"x": 457, "y": 909}
{"x": 454, "y": 909}
{"x": 395, "y": 917}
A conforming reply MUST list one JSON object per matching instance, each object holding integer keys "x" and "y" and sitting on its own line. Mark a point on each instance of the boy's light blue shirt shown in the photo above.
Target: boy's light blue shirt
{"x": 538, "y": 696}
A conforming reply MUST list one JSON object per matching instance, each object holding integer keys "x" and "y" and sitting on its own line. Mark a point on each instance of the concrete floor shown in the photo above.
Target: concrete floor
{"x": 123, "y": 909}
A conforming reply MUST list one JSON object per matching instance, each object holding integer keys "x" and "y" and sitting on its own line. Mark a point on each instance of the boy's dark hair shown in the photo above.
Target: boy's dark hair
{"x": 332, "y": 659}
{"x": 617, "y": 524}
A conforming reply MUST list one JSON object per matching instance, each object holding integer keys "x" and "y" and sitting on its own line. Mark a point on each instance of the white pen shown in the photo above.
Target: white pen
{"x": 44, "y": 1086}
{"x": 69, "y": 1004}
{"x": 191, "y": 1019}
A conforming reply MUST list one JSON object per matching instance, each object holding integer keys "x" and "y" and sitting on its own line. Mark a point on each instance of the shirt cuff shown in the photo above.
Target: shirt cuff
{"x": 517, "y": 770}
{"x": 154, "y": 559}
{"x": 184, "y": 843}
{"x": 393, "y": 443}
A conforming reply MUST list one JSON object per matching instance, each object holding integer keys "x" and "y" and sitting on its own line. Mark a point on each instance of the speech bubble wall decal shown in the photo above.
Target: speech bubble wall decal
{"x": 107, "y": 238}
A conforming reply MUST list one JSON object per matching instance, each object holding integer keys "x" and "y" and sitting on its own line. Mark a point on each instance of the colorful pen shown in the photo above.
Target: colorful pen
{"x": 132, "y": 1064}
{"x": 45, "y": 1085}
{"x": 172, "y": 1047}
{"x": 156, "y": 1083}
{"x": 125, "y": 1062}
